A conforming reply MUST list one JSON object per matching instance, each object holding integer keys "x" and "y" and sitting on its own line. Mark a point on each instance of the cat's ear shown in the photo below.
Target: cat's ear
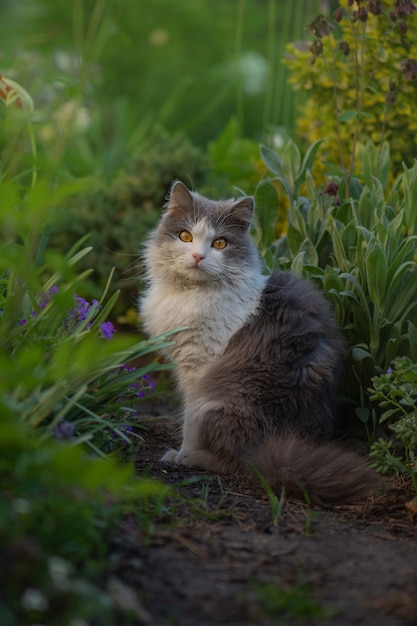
{"x": 242, "y": 211}
{"x": 180, "y": 197}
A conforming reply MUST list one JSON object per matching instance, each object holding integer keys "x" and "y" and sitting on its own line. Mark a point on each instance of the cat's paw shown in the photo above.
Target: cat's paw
{"x": 170, "y": 456}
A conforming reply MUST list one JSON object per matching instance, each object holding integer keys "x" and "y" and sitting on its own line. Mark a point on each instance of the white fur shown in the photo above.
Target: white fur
{"x": 182, "y": 294}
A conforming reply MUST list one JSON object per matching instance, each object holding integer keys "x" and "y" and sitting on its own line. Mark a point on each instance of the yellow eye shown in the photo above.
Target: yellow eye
{"x": 219, "y": 243}
{"x": 186, "y": 236}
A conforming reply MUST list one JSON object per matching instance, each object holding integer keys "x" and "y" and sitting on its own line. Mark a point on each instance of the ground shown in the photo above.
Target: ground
{"x": 225, "y": 556}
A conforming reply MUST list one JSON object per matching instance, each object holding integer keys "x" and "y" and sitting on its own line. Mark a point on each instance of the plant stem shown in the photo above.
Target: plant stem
{"x": 238, "y": 51}
{"x": 360, "y": 88}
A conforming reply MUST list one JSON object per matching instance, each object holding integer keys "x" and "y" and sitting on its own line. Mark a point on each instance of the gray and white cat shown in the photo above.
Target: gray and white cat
{"x": 259, "y": 359}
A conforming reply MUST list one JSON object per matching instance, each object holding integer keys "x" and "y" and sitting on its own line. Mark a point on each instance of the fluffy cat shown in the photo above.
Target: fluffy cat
{"x": 259, "y": 358}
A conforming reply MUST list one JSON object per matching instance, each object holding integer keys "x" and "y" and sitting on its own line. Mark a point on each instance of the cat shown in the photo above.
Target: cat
{"x": 258, "y": 357}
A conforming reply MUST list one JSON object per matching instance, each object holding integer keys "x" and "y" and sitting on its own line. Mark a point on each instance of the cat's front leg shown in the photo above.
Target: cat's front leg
{"x": 193, "y": 453}
{"x": 198, "y": 459}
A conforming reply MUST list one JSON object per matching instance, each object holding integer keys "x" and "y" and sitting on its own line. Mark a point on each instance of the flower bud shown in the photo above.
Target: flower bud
{"x": 316, "y": 48}
{"x": 331, "y": 189}
{"x": 362, "y": 14}
{"x": 344, "y": 47}
{"x": 338, "y": 14}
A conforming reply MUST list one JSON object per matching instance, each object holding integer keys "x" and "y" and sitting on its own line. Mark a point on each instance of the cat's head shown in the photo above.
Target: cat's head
{"x": 202, "y": 241}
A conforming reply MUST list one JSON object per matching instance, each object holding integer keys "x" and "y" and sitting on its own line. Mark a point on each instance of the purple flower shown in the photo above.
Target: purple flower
{"x": 82, "y": 308}
{"x": 107, "y": 330}
{"x": 63, "y": 430}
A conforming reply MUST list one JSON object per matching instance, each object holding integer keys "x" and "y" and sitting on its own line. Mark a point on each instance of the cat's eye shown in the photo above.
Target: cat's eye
{"x": 219, "y": 243}
{"x": 186, "y": 236}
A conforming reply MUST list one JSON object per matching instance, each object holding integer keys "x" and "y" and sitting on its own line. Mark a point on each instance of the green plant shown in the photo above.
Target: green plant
{"x": 360, "y": 251}
{"x": 66, "y": 382}
{"x": 276, "y": 504}
{"x": 118, "y": 214}
{"x": 359, "y": 73}
{"x": 58, "y": 510}
{"x": 395, "y": 392}
{"x": 290, "y": 603}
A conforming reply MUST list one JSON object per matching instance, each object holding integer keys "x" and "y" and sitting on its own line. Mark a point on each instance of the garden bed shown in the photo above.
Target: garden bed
{"x": 218, "y": 557}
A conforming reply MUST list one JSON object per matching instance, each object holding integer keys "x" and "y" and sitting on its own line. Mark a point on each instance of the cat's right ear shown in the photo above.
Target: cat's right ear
{"x": 180, "y": 197}
{"x": 242, "y": 211}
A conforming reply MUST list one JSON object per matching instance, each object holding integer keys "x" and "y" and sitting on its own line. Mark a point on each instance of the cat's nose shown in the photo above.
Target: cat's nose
{"x": 198, "y": 257}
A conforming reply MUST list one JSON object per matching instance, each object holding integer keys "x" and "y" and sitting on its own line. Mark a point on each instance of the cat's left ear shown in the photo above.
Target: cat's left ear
{"x": 180, "y": 197}
{"x": 242, "y": 212}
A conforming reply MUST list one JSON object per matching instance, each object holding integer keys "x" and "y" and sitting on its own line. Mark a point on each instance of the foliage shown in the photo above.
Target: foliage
{"x": 395, "y": 391}
{"x": 57, "y": 511}
{"x": 359, "y": 74}
{"x": 295, "y": 603}
{"x": 360, "y": 250}
{"x": 66, "y": 380}
{"x": 144, "y": 63}
{"x": 118, "y": 214}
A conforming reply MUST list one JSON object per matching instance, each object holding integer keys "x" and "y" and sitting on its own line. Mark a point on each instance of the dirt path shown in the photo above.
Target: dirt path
{"x": 226, "y": 561}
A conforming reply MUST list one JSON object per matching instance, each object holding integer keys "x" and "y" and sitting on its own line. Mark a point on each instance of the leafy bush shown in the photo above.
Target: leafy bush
{"x": 360, "y": 250}
{"x": 57, "y": 511}
{"x": 359, "y": 73}
{"x": 395, "y": 391}
{"x": 66, "y": 381}
{"x": 117, "y": 216}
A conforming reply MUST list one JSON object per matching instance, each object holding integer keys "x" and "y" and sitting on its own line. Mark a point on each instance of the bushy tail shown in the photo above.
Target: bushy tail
{"x": 322, "y": 473}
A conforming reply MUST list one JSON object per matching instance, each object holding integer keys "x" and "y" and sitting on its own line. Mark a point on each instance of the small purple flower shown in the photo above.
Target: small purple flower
{"x": 45, "y": 298}
{"x": 82, "y": 308}
{"x": 22, "y": 323}
{"x": 107, "y": 330}
{"x": 64, "y": 430}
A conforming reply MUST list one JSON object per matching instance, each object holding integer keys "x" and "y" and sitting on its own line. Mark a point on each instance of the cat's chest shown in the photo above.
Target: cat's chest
{"x": 211, "y": 319}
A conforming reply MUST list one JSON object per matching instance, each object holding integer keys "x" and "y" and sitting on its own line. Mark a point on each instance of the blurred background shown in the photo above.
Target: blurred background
{"x": 131, "y": 94}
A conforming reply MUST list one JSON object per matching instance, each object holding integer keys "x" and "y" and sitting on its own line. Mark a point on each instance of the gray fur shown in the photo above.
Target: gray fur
{"x": 259, "y": 363}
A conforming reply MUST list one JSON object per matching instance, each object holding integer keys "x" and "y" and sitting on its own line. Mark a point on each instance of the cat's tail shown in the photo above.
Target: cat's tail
{"x": 321, "y": 473}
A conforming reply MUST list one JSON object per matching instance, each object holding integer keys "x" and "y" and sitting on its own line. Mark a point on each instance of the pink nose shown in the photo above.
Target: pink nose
{"x": 198, "y": 257}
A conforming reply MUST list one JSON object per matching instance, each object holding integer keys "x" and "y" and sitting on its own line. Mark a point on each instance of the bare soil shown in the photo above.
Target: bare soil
{"x": 218, "y": 556}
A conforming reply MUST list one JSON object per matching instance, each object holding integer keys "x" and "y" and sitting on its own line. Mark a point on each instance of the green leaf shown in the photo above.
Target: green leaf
{"x": 266, "y": 213}
{"x": 309, "y": 157}
{"x": 348, "y": 115}
{"x": 291, "y": 163}
{"x": 271, "y": 160}
{"x": 338, "y": 247}
{"x": 376, "y": 271}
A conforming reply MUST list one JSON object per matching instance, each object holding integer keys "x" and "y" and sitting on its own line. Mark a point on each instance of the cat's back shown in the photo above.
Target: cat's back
{"x": 283, "y": 364}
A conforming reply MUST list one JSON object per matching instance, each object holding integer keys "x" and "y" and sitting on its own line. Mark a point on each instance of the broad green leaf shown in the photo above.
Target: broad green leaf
{"x": 376, "y": 271}
{"x": 338, "y": 248}
{"x": 309, "y": 157}
{"x": 311, "y": 256}
{"x": 291, "y": 163}
{"x": 366, "y": 208}
{"x": 410, "y": 198}
{"x": 297, "y": 264}
{"x": 295, "y": 239}
{"x": 348, "y": 115}
{"x": 271, "y": 160}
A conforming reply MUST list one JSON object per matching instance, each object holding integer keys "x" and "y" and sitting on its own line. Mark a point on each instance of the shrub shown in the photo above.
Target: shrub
{"x": 65, "y": 382}
{"x": 360, "y": 250}
{"x": 118, "y": 215}
{"x": 359, "y": 73}
{"x": 395, "y": 392}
